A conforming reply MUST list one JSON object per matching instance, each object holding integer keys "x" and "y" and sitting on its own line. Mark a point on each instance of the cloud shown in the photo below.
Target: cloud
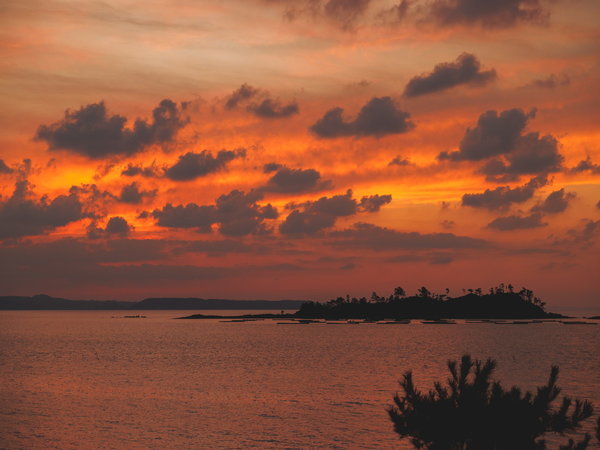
{"x": 288, "y": 181}
{"x": 82, "y": 265}
{"x": 495, "y": 134}
{"x": 502, "y": 197}
{"x": 465, "y": 70}
{"x": 4, "y": 169}
{"x": 312, "y": 217}
{"x": 400, "y": 161}
{"x": 131, "y": 193}
{"x": 373, "y": 203}
{"x": 379, "y": 117}
{"x": 189, "y": 216}
{"x": 498, "y": 139}
{"x": 237, "y": 214}
{"x": 22, "y": 215}
{"x": 243, "y": 93}
{"x": 551, "y": 82}
{"x": 92, "y": 132}
{"x": 583, "y": 235}
{"x": 115, "y": 227}
{"x": 585, "y": 165}
{"x": 373, "y": 237}
{"x": 194, "y": 165}
{"x": 555, "y": 202}
{"x": 150, "y": 171}
{"x": 271, "y": 167}
{"x": 487, "y": 14}
{"x": 82, "y": 252}
{"x": 344, "y": 14}
{"x": 516, "y": 222}
{"x": 447, "y": 224}
{"x": 263, "y": 106}
{"x": 272, "y": 109}
{"x": 532, "y": 155}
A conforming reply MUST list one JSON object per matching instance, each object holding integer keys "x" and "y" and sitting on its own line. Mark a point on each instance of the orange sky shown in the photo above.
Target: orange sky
{"x": 439, "y": 142}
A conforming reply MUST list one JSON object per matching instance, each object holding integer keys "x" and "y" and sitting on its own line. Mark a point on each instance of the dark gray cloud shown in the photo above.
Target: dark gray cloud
{"x": 555, "y": 202}
{"x": 194, "y": 165}
{"x": 399, "y": 161}
{"x": 585, "y": 165}
{"x": 243, "y": 93}
{"x": 92, "y": 132}
{"x": 379, "y": 117}
{"x": 312, "y": 217}
{"x": 115, "y": 227}
{"x": 532, "y": 155}
{"x": 488, "y": 13}
{"x": 503, "y": 196}
{"x": 508, "y": 153}
{"x": 133, "y": 170}
{"x": 288, "y": 181}
{"x": 131, "y": 193}
{"x": 237, "y": 214}
{"x": 271, "y": 167}
{"x": 373, "y": 203}
{"x": 318, "y": 215}
{"x": 4, "y": 169}
{"x": 272, "y": 109}
{"x": 23, "y": 215}
{"x": 495, "y": 134}
{"x": 260, "y": 104}
{"x": 306, "y": 222}
{"x": 517, "y": 222}
{"x": 373, "y": 237}
{"x": 465, "y": 70}
{"x": 189, "y": 216}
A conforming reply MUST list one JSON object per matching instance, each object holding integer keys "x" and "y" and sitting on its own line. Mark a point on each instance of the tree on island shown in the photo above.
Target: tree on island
{"x": 501, "y": 302}
{"x": 474, "y": 413}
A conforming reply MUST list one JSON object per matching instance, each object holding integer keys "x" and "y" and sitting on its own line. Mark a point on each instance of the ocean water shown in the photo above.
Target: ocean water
{"x": 93, "y": 379}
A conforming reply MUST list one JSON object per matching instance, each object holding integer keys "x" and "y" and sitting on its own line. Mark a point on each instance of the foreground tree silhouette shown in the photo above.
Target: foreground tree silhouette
{"x": 473, "y": 412}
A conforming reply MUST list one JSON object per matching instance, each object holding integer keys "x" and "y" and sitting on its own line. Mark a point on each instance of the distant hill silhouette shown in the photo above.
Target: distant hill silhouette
{"x": 500, "y": 303}
{"x": 46, "y": 302}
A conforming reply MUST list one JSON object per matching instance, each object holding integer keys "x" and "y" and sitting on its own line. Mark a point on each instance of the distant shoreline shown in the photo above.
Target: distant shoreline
{"x": 48, "y": 303}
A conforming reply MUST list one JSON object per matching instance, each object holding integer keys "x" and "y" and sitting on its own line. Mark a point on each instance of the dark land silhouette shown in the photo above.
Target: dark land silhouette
{"x": 46, "y": 302}
{"x": 472, "y": 412}
{"x": 501, "y": 302}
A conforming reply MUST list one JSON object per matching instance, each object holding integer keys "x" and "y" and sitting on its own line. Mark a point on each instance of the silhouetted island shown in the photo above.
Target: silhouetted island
{"x": 501, "y": 302}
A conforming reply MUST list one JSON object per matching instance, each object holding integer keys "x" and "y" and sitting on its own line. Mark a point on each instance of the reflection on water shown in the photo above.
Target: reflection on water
{"x": 77, "y": 378}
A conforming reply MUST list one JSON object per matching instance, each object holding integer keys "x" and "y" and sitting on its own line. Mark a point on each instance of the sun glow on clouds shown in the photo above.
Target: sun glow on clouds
{"x": 246, "y": 149}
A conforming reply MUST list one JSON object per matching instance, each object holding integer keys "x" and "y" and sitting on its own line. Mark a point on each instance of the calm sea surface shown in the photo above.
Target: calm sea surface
{"x": 93, "y": 379}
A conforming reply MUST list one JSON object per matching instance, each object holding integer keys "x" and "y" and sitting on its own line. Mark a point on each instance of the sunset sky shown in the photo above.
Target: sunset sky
{"x": 267, "y": 149}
